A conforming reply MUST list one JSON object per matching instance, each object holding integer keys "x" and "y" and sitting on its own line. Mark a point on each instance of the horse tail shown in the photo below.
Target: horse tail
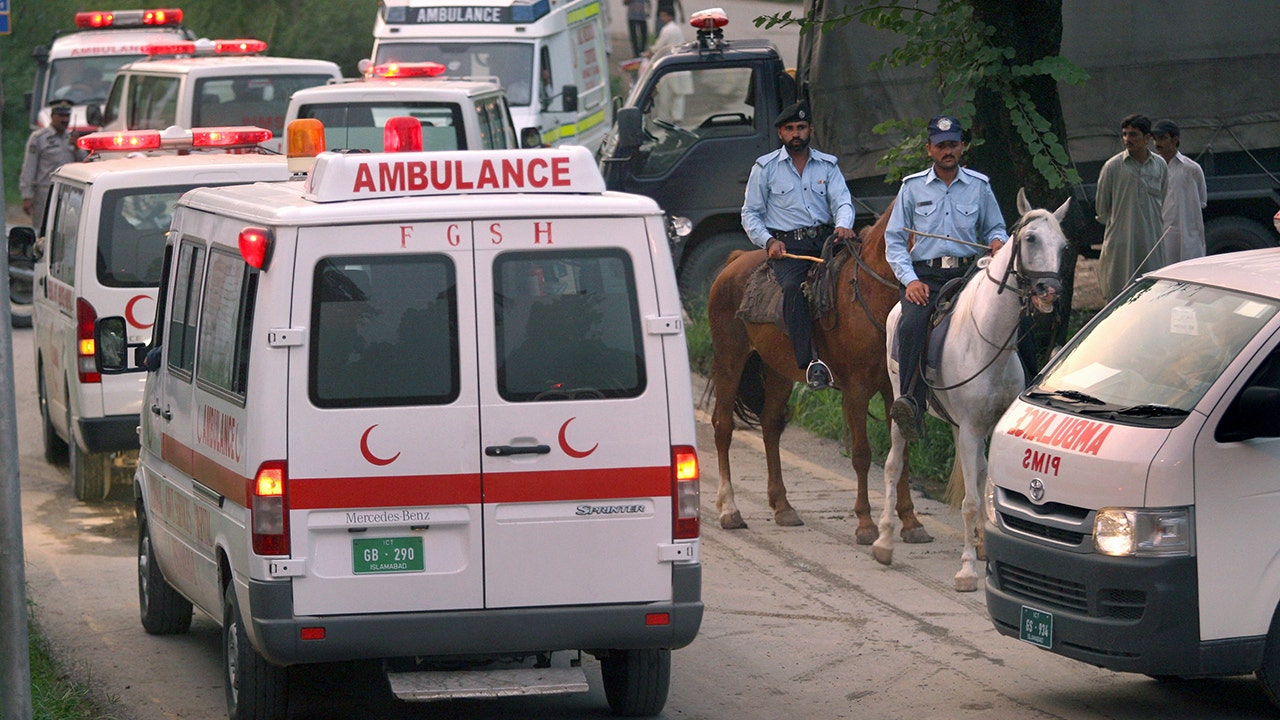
{"x": 749, "y": 403}
{"x": 954, "y": 495}
{"x": 733, "y": 255}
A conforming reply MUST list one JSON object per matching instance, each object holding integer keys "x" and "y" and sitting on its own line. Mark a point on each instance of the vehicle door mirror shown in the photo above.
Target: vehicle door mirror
{"x": 630, "y": 131}
{"x": 22, "y": 245}
{"x": 93, "y": 115}
{"x": 569, "y": 98}
{"x": 531, "y": 137}
{"x": 111, "y": 347}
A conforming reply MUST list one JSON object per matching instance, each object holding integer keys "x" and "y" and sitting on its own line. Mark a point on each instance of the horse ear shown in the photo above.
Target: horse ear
{"x": 1061, "y": 212}
{"x": 1024, "y": 207}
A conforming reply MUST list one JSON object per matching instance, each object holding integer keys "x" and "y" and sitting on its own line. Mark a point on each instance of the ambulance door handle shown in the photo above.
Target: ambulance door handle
{"x": 155, "y": 410}
{"x": 505, "y": 450}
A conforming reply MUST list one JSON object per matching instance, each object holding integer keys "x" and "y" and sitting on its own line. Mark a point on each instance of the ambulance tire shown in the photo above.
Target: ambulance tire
{"x": 1269, "y": 673}
{"x": 55, "y": 448}
{"x": 256, "y": 689}
{"x": 164, "y": 610}
{"x": 636, "y": 681}
{"x": 90, "y": 472}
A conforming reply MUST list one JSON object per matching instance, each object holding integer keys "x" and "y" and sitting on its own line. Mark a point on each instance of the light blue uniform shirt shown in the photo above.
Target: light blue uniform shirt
{"x": 778, "y": 197}
{"x": 966, "y": 210}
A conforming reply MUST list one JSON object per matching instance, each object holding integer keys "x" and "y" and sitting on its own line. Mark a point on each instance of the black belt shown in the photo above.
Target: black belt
{"x": 946, "y": 262}
{"x": 817, "y": 231}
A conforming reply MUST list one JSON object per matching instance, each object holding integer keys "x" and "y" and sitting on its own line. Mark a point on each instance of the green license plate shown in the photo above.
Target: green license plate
{"x": 1036, "y": 627}
{"x": 387, "y": 555}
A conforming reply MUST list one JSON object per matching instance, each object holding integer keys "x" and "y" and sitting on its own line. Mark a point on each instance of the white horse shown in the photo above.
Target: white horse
{"x": 979, "y": 373}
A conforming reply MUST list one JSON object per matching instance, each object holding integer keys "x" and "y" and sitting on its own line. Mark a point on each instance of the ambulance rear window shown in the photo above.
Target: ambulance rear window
{"x": 358, "y": 125}
{"x": 568, "y": 326}
{"x": 131, "y": 234}
{"x": 384, "y": 332}
{"x": 259, "y": 100}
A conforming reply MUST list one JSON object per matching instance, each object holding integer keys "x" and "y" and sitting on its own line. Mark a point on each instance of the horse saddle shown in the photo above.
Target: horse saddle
{"x": 762, "y": 296}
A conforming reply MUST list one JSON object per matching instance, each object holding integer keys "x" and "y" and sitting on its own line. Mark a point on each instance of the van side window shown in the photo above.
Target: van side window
{"x": 493, "y": 112}
{"x": 153, "y": 102}
{"x": 384, "y": 331}
{"x": 226, "y": 318}
{"x": 131, "y": 246}
{"x": 62, "y": 237}
{"x": 1234, "y": 426}
{"x": 162, "y": 297}
{"x": 568, "y": 326}
{"x": 186, "y": 303}
{"x": 111, "y": 111}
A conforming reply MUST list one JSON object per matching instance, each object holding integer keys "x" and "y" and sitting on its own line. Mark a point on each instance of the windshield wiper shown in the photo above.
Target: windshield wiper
{"x": 1152, "y": 410}
{"x": 1074, "y": 395}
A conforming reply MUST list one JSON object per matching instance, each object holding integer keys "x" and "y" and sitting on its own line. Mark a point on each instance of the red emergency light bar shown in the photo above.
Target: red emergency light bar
{"x": 174, "y": 48}
{"x": 393, "y": 70}
{"x": 244, "y": 46}
{"x": 402, "y": 134}
{"x": 98, "y": 19}
{"x": 120, "y": 141}
{"x": 235, "y": 136}
{"x": 138, "y": 140}
{"x": 709, "y": 19}
{"x": 238, "y": 46}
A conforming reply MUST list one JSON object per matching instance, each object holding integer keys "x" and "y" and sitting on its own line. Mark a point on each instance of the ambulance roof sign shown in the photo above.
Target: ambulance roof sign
{"x": 361, "y": 176}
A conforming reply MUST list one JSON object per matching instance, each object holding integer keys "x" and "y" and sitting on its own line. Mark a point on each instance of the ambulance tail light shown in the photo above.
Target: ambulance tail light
{"x": 402, "y": 134}
{"x": 685, "y": 493}
{"x": 239, "y": 46}
{"x": 86, "y": 349}
{"x": 304, "y": 140}
{"x": 255, "y": 247}
{"x": 234, "y": 136}
{"x": 269, "y": 509}
{"x": 127, "y": 141}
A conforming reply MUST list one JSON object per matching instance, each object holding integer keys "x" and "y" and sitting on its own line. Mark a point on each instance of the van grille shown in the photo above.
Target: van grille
{"x": 1122, "y": 604}
{"x": 1043, "y": 588}
{"x": 1042, "y": 531}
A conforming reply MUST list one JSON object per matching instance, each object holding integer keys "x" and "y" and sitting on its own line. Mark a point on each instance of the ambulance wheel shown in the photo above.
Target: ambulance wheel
{"x": 636, "y": 681}
{"x": 90, "y": 472}
{"x": 703, "y": 264}
{"x": 1269, "y": 673}
{"x": 55, "y": 448}
{"x": 256, "y": 689}
{"x": 164, "y": 610}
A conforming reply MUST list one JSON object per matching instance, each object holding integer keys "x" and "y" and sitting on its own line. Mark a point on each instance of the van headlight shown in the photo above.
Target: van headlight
{"x": 1145, "y": 532}
{"x": 989, "y": 501}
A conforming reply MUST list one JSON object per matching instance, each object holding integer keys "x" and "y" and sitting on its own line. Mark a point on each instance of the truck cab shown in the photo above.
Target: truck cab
{"x": 698, "y": 112}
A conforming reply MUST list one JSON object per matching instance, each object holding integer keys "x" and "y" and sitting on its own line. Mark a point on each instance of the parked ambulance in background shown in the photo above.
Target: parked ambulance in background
{"x": 548, "y": 55}
{"x": 1134, "y": 487}
{"x": 210, "y": 83}
{"x": 102, "y": 256}
{"x": 455, "y": 114}
{"x": 80, "y": 65}
{"x": 392, "y": 414}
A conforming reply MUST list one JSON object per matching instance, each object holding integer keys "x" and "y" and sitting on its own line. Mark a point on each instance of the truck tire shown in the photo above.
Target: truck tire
{"x": 164, "y": 611}
{"x": 90, "y": 472}
{"x": 55, "y": 448}
{"x": 1233, "y": 233}
{"x": 636, "y": 681}
{"x": 705, "y": 261}
{"x": 256, "y": 689}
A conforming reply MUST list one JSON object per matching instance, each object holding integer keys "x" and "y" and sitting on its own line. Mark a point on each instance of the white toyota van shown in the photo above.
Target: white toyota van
{"x": 432, "y": 408}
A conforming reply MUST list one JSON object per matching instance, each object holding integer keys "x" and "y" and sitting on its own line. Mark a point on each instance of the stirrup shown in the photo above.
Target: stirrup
{"x": 818, "y": 376}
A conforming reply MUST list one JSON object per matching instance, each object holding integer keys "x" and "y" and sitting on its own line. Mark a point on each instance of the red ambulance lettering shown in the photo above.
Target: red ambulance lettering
{"x": 453, "y": 175}
{"x": 540, "y": 232}
{"x": 495, "y": 233}
{"x": 406, "y": 232}
{"x": 1041, "y": 462}
{"x": 219, "y": 432}
{"x": 455, "y": 238}
{"x": 1060, "y": 431}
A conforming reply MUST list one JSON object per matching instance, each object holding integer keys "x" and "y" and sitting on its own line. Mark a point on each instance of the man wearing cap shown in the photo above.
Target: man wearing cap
{"x": 1129, "y": 202}
{"x": 48, "y": 149}
{"x": 796, "y": 198}
{"x": 1185, "y": 199}
{"x": 949, "y": 203}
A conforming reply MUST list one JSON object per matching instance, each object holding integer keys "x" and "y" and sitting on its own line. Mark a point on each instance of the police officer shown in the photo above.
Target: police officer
{"x": 796, "y": 197}
{"x": 48, "y": 149}
{"x": 946, "y": 200}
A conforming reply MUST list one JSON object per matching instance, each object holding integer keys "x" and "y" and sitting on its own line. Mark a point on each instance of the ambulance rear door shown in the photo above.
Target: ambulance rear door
{"x": 384, "y": 472}
{"x": 574, "y": 416}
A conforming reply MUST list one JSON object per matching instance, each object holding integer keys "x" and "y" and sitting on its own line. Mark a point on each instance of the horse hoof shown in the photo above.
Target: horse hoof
{"x": 733, "y": 521}
{"x": 916, "y": 535}
{"x": 882, "y": 555}
{"x": 967, "y": 584}
{"x": 866, "y": 535}
{"x": 788, "y": 518}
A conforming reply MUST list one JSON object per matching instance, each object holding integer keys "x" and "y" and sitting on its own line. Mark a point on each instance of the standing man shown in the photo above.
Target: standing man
{"x": 1185, "y": 200}
{"x": 796, "y": 197}
{"x": 946, "y": 200}
{"x": 674, "y": 87}
{"x": 1131, "y": 190}
{"x": 638, "y": 25}
{"x": 48, "y": 149}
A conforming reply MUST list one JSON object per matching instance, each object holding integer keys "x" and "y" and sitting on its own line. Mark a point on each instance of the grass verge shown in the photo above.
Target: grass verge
{"x": 54, "y": 694}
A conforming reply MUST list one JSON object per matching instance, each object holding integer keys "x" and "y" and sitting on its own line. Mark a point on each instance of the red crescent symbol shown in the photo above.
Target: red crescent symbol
{"x": 368, "y": 454}
{"x": 128, "y": 312}
{"x": 564, "y": 444}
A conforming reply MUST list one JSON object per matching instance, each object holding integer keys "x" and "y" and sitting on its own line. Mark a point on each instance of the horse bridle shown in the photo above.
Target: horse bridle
{"x": 1026, "y": 280}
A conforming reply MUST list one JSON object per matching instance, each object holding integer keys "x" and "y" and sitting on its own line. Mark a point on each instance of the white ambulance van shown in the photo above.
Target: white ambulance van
{"x": 428, "y": 408}
{"x": 80, "y": 65}
{"x": 102, "y": 257}
{"x": 1133, "y": 487}
{"x": 209, "y": 83}
{"x": 455, "y": 114}
{"x": 548, "y": 55}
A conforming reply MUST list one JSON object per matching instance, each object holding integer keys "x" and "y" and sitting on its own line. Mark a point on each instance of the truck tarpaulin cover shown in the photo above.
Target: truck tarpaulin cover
{"x": 1210, "y": 67}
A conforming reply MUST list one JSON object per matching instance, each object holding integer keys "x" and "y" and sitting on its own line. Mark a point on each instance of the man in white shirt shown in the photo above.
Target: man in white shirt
{"x": 1185, "y": 199}
{"x": 673, "y": 87}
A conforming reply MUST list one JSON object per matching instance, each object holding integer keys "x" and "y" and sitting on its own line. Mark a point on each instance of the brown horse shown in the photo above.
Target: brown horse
{"x": 851, "y": 340}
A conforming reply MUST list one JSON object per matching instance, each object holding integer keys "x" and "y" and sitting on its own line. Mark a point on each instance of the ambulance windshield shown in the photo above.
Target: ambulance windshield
{"x": 84, "y": 79}
{"x": 511, "y": 62}
{"x": 1152, "y": 356}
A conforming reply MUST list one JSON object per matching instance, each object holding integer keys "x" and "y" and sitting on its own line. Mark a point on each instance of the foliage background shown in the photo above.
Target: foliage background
{"x": 337, "y": 30}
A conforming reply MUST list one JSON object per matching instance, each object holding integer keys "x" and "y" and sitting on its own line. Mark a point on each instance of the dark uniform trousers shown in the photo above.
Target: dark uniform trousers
{"x": 913, "y": 329}
{"x": 791, "y": 274}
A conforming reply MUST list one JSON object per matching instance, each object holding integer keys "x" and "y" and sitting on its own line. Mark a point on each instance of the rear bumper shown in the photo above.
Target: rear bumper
{"x": 506, "y": 631}
{"x": 110, "y": 434}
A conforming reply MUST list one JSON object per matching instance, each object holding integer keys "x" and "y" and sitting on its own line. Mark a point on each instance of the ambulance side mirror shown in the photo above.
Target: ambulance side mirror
{"x": 569, "y": 98}
{"x": 531, "y": 137}
{"x": 1256, "y": 415}
{"x": 111, "y": 347}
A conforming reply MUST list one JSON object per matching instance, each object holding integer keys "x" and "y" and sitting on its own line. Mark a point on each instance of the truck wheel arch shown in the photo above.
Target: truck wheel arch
{"x": 704, "y": 261}
{"x": 1231, "y": 233}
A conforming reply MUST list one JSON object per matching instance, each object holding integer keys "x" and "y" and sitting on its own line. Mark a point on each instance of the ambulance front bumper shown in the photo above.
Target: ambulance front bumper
{"x": 1121, "y": 613}
{"x": 487, "y": 632}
